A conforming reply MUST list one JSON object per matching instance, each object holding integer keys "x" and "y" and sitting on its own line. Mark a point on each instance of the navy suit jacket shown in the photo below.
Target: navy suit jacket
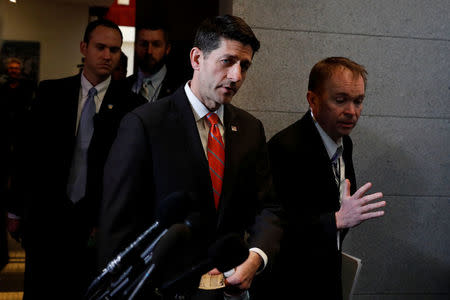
{"x": 304, "y": 181}
{"x": 158, "y": 151}
{"x": 49, "y": 215}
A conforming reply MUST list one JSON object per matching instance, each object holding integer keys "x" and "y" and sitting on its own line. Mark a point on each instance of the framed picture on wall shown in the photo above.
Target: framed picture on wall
{"x": 27, "y": 51}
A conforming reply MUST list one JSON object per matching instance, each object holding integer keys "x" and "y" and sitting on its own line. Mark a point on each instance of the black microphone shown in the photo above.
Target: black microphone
{"x": 174, "y": 239}
{"x": 156, "y": 254}
{"x": 172, "y": 210}
{"x": 225, "y": 254}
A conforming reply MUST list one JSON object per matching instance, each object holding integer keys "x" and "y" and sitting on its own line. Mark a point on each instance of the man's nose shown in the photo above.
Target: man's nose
{"x": 350, "y": 108}
{"x": 235, "y": 73}
{"x": 149, "y": 49}
{"x": 107, "y": 54}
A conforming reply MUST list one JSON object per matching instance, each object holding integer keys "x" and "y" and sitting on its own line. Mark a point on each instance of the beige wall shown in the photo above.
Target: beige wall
{"x": 58, "y": 26}
{"x": 402, "y": 141}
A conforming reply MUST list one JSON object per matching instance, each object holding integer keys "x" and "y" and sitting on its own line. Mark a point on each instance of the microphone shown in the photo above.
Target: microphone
{"x": 176, "y": 236}
{"x": 225, "y": 254}
{"x": 172, "y": 210}
{"x": 154, "y": 256}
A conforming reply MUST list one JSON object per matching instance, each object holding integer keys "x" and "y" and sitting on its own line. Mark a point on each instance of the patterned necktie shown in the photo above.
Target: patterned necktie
{"x": 216, "y": 156}
{"x": 76, "y": 188}
{"x": 335, "y": 162}
{"x": 147, "y": 90}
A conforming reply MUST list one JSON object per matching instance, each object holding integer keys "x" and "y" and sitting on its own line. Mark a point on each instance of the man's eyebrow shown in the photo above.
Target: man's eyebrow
{"x": 344, "y": 94}
{"x": 229, "y": 56}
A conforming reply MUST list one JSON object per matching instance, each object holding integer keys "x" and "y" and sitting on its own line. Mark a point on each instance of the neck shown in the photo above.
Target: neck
{"x": 94, "y": 80}
{"x": 209, "y": 104}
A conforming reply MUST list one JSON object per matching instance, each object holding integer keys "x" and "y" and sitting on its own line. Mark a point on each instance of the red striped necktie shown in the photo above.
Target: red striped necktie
{"x": 216, "y": 156}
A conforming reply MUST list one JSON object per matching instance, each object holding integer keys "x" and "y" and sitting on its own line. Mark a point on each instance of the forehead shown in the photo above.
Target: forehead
{"x": 106, "y": 35}
{"x": 234, "y": 48}
{"x": 150, "y": 35}
{"x": 13, "y": 65}
{"x": 344, "y": 80}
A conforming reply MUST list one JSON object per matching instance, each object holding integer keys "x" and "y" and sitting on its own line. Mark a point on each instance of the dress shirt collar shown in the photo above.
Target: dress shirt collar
{"x": 199, "y": 109}
{"x": 155, "y": 79}
{"x": 330, "y": 145}
{"x": 101, "y": 87}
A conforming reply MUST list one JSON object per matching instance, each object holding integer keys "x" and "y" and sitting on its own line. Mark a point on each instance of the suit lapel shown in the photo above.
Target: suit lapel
{"x": 190, "y": 138}
{"x": 349, "y": 169}
{"x": 232, "y": 134}
{"x": 318, "y": 150}
{"x": 109, "y": 100}
{"x": 165, "y": 88}
{"x": 73, "y": 96}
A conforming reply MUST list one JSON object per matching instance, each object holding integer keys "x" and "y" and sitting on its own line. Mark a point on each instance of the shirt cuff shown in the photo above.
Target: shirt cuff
{"x": 13, "y": 216}
{"x": 263, "y": 256}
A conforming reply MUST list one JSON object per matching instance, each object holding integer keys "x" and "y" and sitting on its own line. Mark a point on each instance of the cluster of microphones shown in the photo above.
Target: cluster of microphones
{"x": 138, "y": 268}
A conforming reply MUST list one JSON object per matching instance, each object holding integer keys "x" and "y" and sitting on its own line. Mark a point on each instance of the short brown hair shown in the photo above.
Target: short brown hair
{"x": 229, "y": 27}
{"x": 322, "y": 71}
{"x": 100, "y": 22}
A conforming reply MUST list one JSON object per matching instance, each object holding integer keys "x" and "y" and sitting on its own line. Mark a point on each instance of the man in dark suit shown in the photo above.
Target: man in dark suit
{"x": 74, "y": 122}
{"x": 170, "y": 146}
{"x": 16, "y": 96}
{"x": 153, "y": 79}
{"x": 314, "y": 178}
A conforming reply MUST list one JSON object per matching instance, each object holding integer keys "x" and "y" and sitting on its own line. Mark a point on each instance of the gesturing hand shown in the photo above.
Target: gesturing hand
{"x": 357, "y": 208}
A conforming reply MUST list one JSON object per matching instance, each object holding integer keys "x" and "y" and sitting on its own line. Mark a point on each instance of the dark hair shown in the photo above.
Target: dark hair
{"x": 100, "y": 22}
{"x": 123, "y": 59}
{"x": 323, "y": 70}
{"x": 155, "y": 25}
{"x": 212, "y": 29}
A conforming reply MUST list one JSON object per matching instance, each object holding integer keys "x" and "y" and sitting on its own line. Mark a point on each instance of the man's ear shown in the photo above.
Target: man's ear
{"x": 196, "y": 57}
{"x": 312, "y": 99}
{"x": 169, "y": 47}
{"x": 83, "y": 48}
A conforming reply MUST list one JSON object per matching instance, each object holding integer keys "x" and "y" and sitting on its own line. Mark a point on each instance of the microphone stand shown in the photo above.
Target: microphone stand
{"x": 142, "y": 281}
{"x": 124, "y": 282}
{"x": 115, "y": 263}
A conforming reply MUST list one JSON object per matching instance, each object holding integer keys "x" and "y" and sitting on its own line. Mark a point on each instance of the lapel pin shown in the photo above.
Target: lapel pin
{"x": 234, "y": 128}
{"x": 110, "y": 106}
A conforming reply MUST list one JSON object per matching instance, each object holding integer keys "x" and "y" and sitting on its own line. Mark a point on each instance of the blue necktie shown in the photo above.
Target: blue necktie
{"x": 76, "y": 188}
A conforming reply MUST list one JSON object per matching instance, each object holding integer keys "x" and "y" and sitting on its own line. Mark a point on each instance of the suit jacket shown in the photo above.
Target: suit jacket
{"x": 56, "y": 230}
{"x": 169, "y": 84}
{"x": 158, "y": 151}
{"x": 304, "y": 181}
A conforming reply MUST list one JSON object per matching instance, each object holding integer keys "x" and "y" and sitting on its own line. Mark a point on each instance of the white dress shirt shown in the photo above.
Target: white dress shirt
{"x": 331, "y": 146}
{"x": 98, "y": 99}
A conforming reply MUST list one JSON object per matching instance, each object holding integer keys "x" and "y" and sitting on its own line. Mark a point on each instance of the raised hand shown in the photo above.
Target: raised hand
{"x": 357, "y": 208}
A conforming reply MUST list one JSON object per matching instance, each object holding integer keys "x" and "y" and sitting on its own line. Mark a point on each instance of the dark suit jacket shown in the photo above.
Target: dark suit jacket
{"x": 158, "y": 151}
{"x": 304, "y": 181}
{"x": 169, "y": 84}
{"x": 56, "y": 230}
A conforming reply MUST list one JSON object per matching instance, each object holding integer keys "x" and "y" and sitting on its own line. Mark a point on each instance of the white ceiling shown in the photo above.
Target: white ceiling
{"x": 104, "y": 3}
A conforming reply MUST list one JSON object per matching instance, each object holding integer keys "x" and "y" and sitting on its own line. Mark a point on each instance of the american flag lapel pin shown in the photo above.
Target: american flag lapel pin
{"x": 110, "y": 106}
{"x": 234, "y": 128}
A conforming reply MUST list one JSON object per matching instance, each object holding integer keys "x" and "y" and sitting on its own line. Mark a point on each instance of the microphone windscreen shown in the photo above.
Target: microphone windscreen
{"x": 228, "y": 252}
{"x": 174, "y": 208}
{"x": 199, "y": 224}
{"x": 177, "y": 236}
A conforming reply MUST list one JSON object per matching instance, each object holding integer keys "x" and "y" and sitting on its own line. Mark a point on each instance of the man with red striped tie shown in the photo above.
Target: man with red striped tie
{"x": 195, "y": 141}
